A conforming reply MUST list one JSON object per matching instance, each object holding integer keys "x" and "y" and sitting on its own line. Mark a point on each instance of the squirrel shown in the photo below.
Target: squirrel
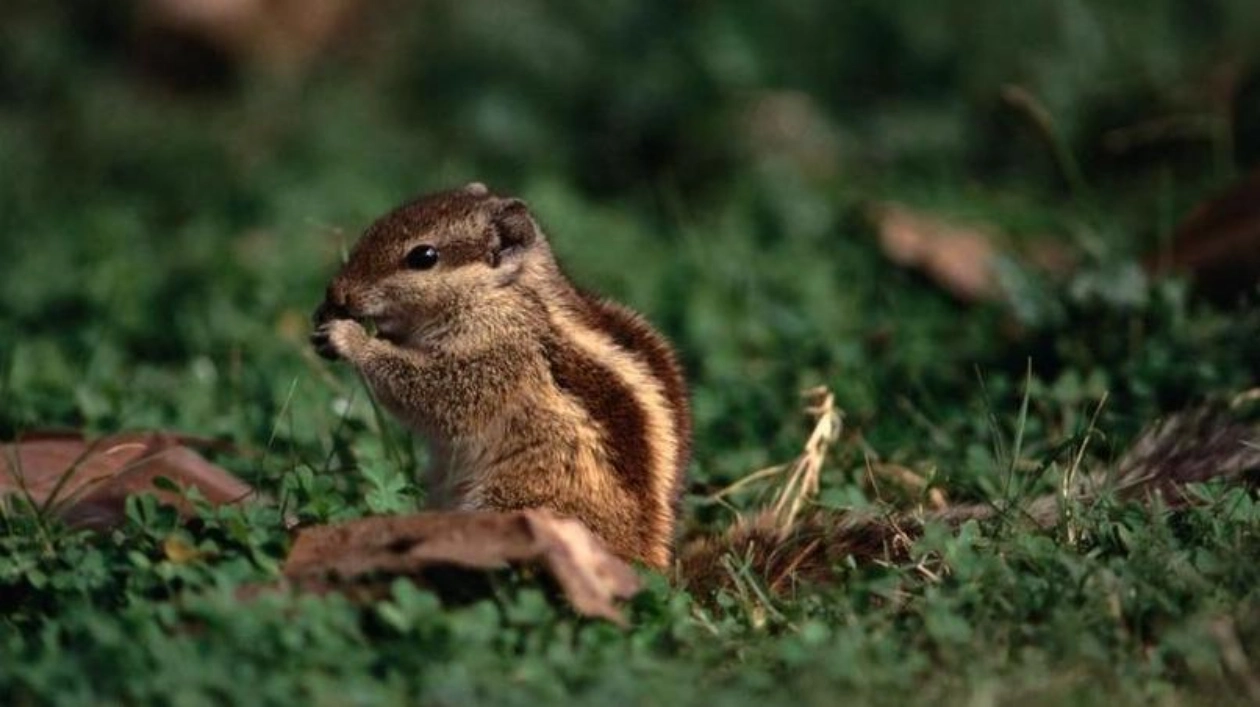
{"x": 530, "y": 392}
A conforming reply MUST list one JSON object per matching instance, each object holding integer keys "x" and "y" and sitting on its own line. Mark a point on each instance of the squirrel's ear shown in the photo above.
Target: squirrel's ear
{"x": 477, "y": 189}
{"x": 514, "y": 229}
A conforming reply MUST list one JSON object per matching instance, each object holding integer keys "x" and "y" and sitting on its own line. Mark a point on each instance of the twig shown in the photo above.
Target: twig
{"x": 802, "y": 482}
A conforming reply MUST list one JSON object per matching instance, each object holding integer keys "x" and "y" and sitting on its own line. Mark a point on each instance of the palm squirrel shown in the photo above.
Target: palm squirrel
{"x": 530, "y": 392}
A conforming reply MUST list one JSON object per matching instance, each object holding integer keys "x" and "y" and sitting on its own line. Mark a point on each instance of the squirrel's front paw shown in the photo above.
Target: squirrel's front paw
{"x": 338, "y": 338}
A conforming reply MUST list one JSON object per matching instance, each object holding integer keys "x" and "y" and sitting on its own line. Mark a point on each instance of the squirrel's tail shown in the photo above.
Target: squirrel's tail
{"x": 1189, "y": 447}
{"x": 1203, "y": 444}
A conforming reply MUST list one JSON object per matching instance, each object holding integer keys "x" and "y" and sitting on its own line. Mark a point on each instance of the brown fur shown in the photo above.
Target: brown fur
{"x": 612, "y": 406}
{"x": 632, "y": 333}
{"x": 530, "y": 393}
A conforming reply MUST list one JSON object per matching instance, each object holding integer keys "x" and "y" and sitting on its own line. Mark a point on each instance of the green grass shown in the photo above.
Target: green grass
{"x": 161, "y": 253}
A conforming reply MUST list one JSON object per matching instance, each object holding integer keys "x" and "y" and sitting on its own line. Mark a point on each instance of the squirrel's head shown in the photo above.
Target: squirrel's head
{"x": 440, "y": 254}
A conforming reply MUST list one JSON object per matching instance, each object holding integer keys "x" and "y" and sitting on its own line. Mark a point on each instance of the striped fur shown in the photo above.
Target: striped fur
{"x": 530, "y": 392}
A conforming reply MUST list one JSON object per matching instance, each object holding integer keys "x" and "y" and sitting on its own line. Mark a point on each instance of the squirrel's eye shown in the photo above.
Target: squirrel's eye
{"x": 422, "y": 257}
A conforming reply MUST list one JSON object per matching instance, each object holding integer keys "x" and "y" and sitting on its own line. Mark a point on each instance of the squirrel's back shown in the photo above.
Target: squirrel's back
{"x": 626, "y": 378}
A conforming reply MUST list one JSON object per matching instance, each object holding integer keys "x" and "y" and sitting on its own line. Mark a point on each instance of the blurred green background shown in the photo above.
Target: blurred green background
{"x": 179, "y": 178}
{"x": 178, "y": 187}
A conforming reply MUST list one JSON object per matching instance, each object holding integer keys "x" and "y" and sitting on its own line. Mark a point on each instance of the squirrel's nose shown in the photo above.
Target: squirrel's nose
{"x": 335, "y": 296}
{"x": 335, "y": 305}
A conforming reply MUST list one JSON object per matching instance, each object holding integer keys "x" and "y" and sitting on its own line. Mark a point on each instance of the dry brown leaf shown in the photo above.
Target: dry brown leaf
{"x": 1219, "y": 243}
{"x": 87, "y": 483}
{"x": 337, "y": 557}
{"x": 283, "y": 35}
{"x": 961, "y": 260}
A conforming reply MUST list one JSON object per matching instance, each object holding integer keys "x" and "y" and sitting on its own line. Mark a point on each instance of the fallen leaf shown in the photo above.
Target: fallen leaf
{"x": 961, "y": 259}
{"x": 283, "y": 35}
{"x": 86, "y": 484}
{"x": 338, "y": 557}
{"x": 1219, "y": 243}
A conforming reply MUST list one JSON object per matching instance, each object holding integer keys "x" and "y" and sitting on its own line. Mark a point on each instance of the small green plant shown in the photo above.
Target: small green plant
{"x": 709, "y": 165}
